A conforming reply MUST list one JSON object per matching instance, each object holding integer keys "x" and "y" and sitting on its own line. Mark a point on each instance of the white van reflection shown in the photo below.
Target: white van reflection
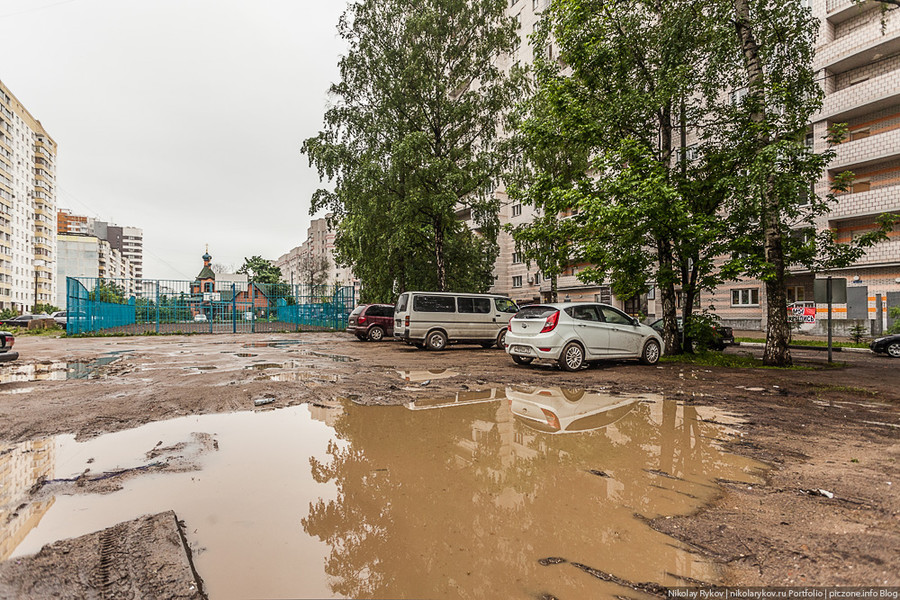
{"x": 570, "y": 410}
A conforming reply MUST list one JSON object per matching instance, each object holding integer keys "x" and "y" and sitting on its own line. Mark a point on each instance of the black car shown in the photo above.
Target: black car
{"x": 718, "y": 335}
{"x": 6, "y": 343}
{"x": 890, "y": 345}
{"x": 22, "y": 320}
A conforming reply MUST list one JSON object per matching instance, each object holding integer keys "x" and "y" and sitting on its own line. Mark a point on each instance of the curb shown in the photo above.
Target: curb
{"x": 819, "y": 348}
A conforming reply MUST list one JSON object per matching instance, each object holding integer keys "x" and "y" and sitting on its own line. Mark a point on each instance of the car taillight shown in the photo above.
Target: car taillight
{"x": 362, "y": 319}
{"x": 509, "y": 324}
{"x": 552, "y": 419}
{"x": 407, "y": 320}
{"x": 10, "y": 340}
{"x": 550, "y": 323}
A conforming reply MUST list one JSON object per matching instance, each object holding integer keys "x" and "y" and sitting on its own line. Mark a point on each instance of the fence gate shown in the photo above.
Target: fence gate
{"x": 138, "y": 306}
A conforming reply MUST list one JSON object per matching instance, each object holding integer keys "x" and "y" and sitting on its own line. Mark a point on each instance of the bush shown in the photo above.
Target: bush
{"x": 895, "y": 314}
{"x": 858, "y": 332}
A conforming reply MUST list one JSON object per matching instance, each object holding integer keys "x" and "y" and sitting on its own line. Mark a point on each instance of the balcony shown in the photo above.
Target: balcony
{"x": 867, "y": 151}
{"x": 838, "y": 11}
{"x": 852, "y": 51}
{"x": 869, "y": 96}
{"x": 866, "y": 204}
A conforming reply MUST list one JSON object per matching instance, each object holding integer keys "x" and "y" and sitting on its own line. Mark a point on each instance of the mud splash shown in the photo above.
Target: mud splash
{"x": 462, "y": 496}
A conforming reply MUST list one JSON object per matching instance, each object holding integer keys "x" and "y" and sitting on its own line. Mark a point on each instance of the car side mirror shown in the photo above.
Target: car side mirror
{"x": 635, "y": 322}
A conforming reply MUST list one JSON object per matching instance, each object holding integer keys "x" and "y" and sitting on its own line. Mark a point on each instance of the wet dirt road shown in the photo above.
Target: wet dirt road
{"x": 526, "y": 481}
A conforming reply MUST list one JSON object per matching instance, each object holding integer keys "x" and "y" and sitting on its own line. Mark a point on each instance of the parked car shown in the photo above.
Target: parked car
{"x": 434, "y": 319}
{"x": 200, "y": 318}
{"x": 576, "y": 333}
{"x": 718, "y": 335}
{"x": 22, "y": 320}
{"x": 60, "y": 317}
{"x": 7, "y": 340}
{"x": 889, "y": 345}
{"x": 371, "y": 322}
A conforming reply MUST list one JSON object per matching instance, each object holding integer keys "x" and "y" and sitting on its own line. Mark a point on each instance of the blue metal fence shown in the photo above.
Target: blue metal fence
{"x": 97, "y": 305}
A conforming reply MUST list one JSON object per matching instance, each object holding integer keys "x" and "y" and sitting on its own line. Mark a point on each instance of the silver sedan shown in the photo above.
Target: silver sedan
{"x": 575, "y": 333}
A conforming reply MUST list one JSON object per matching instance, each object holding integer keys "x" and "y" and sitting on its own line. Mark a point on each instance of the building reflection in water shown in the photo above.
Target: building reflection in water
{"x": 21, "y": 467}
{"x": 461, "y": 496}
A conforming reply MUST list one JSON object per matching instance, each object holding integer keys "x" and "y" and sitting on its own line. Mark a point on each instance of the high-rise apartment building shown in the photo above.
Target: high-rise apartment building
{"x": 128, "y": 241}
{"x": 316, "y": 253}
{"x": 27, "y": 207}
{"x": 858, "y": 58}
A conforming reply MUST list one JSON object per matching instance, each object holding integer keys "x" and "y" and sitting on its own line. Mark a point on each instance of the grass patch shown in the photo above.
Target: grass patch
{"x": 815, "y": 343}
{"x": 845, "y": 389}
{"x": 42, "y": 332}
{"x": 718, "y": 359}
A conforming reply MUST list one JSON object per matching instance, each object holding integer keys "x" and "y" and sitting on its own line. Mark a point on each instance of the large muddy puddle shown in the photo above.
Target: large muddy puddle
{"x": 464, "y": 496}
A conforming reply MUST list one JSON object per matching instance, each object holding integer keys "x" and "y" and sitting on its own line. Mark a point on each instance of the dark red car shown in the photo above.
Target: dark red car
{"x": 372, "y": 322}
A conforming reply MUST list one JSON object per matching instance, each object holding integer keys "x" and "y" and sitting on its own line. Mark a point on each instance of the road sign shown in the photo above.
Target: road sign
{"x": 838, "y": 290}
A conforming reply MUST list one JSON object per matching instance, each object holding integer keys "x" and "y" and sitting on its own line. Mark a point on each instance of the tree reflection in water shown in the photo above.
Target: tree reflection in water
{"x": 462, "y": 502}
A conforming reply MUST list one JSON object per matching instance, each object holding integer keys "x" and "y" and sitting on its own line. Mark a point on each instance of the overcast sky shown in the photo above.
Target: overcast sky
{"x": 181, "y": 117}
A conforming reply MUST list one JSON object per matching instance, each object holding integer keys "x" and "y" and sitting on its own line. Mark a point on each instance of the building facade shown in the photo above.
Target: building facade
{"x": 858, "y": 58}
{"x": 27, "y": 208}
{"x": 90, "y": 256}
{"x": 315, "y": 255}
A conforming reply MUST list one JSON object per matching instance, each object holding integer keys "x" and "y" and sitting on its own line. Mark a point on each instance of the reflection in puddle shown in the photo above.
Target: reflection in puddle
{"x": 56, "y": 371}
{"x": 275, "y": 344}
{"x": 263, "y": 366}
{"x": 420, "y": 376}
{"x": 462, "y": 502}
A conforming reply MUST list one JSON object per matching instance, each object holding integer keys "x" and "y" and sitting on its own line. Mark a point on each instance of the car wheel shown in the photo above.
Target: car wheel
{"x": 650, "y": 355}
{"x": 572, "y": 357}
{"x": 501, "y": 339}
{"x": 376, "y": 334}
{"x": 894, "y": 350}
{"x": 436, "y": 340}
{"x": 521, "y": 360}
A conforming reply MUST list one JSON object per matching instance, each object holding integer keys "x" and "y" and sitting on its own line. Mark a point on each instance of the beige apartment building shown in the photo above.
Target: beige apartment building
{"x": 318, "y": 249}
{"x": 27, "y": 208}
{"x": 858, "y": 58}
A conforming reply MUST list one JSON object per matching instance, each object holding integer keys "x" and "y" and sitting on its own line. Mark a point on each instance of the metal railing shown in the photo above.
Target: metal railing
{"x": 141, "y": 306}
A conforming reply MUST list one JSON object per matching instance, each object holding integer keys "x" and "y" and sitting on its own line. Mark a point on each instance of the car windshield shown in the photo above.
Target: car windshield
{"x": 535, "y": 312}
{"x": 401, "y": 303}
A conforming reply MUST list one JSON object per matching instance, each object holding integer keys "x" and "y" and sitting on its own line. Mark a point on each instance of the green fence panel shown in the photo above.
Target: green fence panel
{"x": 132, "y": 306}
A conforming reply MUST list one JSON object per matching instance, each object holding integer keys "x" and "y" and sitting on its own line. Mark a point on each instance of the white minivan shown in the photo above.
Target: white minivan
{"x": 434, "y": 319}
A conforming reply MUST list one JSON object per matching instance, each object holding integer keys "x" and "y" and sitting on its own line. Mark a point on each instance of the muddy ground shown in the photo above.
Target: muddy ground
{"x": 829, "y": 513}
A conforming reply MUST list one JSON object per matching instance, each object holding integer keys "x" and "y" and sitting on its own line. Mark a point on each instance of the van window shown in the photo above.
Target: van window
{"x": 358, "y": 310}
{"x": 401, "y": 303}
{"x": 474, "y": 305}
{"x": 434, "y": 304}
{"x": 505, "y": 305}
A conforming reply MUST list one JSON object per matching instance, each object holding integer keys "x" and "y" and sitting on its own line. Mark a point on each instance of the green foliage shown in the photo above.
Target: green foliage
{"x": 600, "y": 158}
{"x": 44, "y": 309}
{"x": 107, "y": 291}
{"x": 719, "y": 359}
{"x": 858, "y": 332}
{"x": 260, "y": 270}
{"x": 411, "y": 143}
{"x": 895, "y": 314}
{"x": 8, "y": 313}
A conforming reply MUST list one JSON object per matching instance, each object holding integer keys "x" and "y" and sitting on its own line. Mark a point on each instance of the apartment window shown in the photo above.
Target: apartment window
{"x": 516, "y": 210}
{"x": 860, "y": 134}
{"x": 738, "y": 95}
{"x": 860, "y": 186}
{"x": 745, "y": 297}
{"x": 516, "y": 258}
{"x": 517, "y": 281}
{"x": 796, "y": 293}
{"x": 537, "y": 278}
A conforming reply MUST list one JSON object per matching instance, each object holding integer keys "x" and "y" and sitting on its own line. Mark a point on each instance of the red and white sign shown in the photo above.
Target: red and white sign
{"x": 802, "y": 313}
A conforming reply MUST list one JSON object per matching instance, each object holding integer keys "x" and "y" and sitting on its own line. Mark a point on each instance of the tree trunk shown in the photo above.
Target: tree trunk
{"x": 666, "y": 285}
{"x": 439, "y": 257}
{"x": 554, "y": 295}
{"x": 777, "y": 330}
